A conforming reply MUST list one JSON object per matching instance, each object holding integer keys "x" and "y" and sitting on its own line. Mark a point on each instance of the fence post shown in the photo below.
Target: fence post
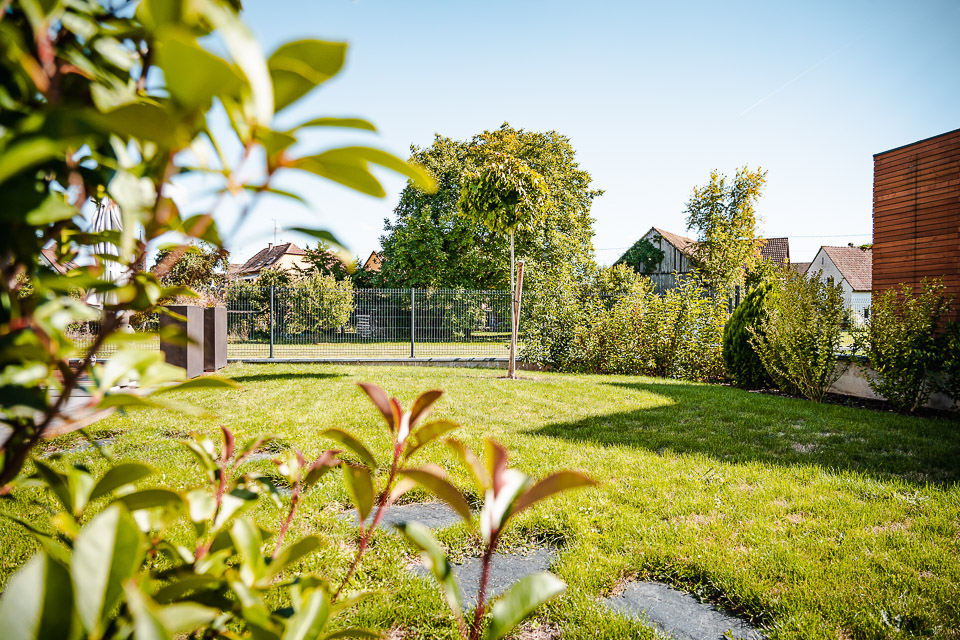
{"x": 413, "y": 321}
{"x": 271, "y": 322}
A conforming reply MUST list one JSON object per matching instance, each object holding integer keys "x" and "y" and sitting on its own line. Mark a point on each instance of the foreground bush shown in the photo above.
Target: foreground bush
{"x": 742, "y": 362}
{"x": 799, "y": 339}
{"x": 902, "y": 342}
{"x": 134, "y": 569}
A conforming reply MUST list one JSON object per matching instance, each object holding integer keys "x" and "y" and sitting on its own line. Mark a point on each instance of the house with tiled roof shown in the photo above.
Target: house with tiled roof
{"x": 679, "y": 254}
{"x": 286, "y": 257}
{"x": 374, "y": 262}
{"x": 852, "y": 268}
{"x": 48, "y": 258}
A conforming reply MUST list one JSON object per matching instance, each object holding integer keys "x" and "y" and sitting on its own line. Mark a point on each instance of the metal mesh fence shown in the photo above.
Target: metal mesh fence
{"x": 277, "y": 322}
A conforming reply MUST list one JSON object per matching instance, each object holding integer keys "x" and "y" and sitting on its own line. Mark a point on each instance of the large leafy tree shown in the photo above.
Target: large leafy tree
{"x": 429, "y": 244}
{"x": 198, "y": 265}
{"x": 723, "y": 215}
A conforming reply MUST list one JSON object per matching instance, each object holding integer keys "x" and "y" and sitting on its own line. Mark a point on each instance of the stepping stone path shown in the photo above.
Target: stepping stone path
{"x": 673, "y": 612}
{"x": 435, "y": 515}
{"x": 679, "y": 614}
{"x": 83, "y": 445}
{"x": 504, "y": 571}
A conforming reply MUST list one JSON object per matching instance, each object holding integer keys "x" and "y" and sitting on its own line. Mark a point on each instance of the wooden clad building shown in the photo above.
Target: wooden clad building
{"x": 916, "y": 213}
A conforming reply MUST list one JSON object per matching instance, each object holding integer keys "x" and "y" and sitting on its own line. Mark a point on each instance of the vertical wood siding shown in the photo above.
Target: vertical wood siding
{"x": 916, "y": 214}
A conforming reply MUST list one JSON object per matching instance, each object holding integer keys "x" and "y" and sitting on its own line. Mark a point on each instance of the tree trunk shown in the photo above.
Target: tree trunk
{"x": 511, "y": 366}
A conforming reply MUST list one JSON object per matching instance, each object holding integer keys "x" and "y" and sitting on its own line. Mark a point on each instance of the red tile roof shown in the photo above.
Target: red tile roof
{"x": 50, "y": 257}
{"x": 855, "y": 264}
{"x": 268, "y": 256}
{"x": 800, "y": 267}
{"x": 683, "y": 243}
{"x": 775, "y": 249}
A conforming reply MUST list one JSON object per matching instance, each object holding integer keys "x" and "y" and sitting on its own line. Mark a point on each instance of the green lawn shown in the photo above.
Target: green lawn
{"x": 813, "y": 521}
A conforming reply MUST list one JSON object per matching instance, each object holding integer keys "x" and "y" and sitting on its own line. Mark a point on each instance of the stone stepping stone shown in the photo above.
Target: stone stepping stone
{"x": 679, "y": 614}
{"x": 82, "y": 446}
{"x": 435, "y": 515}
{"x": 504, "y": 571}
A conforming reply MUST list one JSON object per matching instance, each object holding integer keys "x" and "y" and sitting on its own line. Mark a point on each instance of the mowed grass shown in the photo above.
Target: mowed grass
{"x": 812, "y": 521}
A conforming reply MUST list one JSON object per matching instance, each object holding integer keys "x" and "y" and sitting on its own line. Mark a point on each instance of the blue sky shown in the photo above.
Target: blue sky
{"x": 652, "y": 95}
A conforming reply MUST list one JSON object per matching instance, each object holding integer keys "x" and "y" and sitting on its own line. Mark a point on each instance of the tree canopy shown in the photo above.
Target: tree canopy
{"x": 723, "y": 215}
{"x": 429, "y": 244}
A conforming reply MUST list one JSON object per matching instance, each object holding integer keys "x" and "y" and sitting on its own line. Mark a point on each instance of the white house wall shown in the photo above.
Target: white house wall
{"x": 857, "y": 301}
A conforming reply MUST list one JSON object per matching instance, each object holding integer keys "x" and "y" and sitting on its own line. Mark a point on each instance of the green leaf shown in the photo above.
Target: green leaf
{"x": 312, "y": 611}
{"x": 186, "y": 617}
{"x": 141, "y": 120}
{"x": 436, "y": 561}
{"x": 115, "y": 53}
{"x": 519, "y": 601}
{"x": 106, "y": 553}
{"x": 353, "y": 444}
{"x": 427, "y": 434}
{"x": 552, "y": 484}
{"x": 28, "y": 152}
{"x": 349, "y": 166}
{"x": 349, "y": 123}
{"x": 118, "y": 476}
{"x": 149, "y": 499}
{"x": 359, "y": 483}
{"x": 52, "y": 209}
{"x": 290, "y": 554}
{"x": 37, "y": 603}
{"x": 434, "y": 480}
{"x": 193, "y": 75}
{"x": 296, "y": 68}
{"x": 470, "y": 460}
{"x": 234, "y": 503}
{"x": 246, "y": 52}
{"x": 57, "y": 482}
{"x": 248, "y": 542}
{"x": 146, "y": 621}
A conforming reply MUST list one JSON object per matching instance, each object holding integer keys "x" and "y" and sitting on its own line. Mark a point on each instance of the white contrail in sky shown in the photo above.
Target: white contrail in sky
{"x": 778, "y": 90}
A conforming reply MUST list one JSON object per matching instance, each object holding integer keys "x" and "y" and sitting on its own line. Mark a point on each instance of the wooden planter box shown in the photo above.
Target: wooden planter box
{"x": 214, "y": 338}
{"x": 189, "y": 356}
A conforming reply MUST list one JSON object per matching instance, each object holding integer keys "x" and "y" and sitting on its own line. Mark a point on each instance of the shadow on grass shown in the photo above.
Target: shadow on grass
{"x": 292, "y": 376}
{"x": 731, "y": 425}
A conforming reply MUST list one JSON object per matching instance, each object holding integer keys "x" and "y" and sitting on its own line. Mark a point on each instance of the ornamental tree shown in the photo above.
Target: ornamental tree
{"x": 504, "y": 196}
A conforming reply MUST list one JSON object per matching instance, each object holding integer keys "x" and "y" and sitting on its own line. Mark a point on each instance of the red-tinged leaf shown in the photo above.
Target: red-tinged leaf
{"x": 300, "y": 457}
{"x": 422, "y": 406}
{"x": 480, "y": 476}
{"x": 404, "y": 485}
{"x": 434, "y": 480}
{"x": 427, "y": 434}
{"x": 251, "y": 446}
{"x": 396, "y": 411}
{"x": 380, "y": 401}
{"x": 327, "y": 461}
{"x": 496, "y": 463}
{"x": 228, "y": 444}
{"x": 559, "y": 481}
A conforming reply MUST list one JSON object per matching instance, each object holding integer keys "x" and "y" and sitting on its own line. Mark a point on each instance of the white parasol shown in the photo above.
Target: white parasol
{"x": 107, "y": 218}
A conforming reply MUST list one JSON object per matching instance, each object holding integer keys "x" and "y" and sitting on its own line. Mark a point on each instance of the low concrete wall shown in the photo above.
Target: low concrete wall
{"x": 854, "y": 383}
{"x": 471, "y": 363}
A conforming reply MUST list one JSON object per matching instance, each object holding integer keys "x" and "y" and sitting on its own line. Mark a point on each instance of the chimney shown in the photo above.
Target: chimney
{"x": 269, "y": 245}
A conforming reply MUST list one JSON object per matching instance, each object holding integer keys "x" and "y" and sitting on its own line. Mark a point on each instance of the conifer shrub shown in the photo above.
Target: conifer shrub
{"x": 743, "y": 364}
